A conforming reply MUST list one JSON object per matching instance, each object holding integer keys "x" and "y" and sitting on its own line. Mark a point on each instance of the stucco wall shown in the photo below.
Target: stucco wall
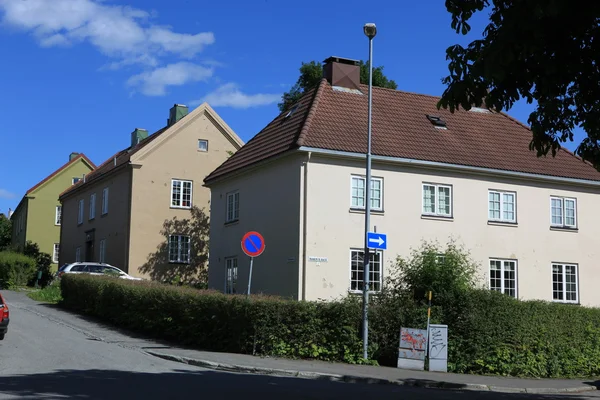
{"x": 270, "y": 204}
{"x": 333, "y": 228}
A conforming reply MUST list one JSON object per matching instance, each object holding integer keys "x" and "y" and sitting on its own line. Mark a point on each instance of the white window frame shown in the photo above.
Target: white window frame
{"x": 501, "y": 194}
{"x": 58, "y": 215}
{"x": 80, "y": 212}
{"x": 92, "y": 206}
{"x": 563, "y": 201}
{"x": 231, "y": 274}
{"x": 364, "y": 180}
{"x": 78, "y": 254}
{"x": 180, "y": 259}
{"x": 437, "y": 186}
{"x": 75, "y": 180}
{"x": 503, "y": 287}
{"x": 102, "y": 252}
{"x": 564, "y": 284}
{"x": 55, "y": 253}
{"x": 200, "y": 148}
{"x": 182, "y": 183}
{"x": 377, "y": 252}
{"x": 105, "y": 201}
{"x": 235, "y": 212}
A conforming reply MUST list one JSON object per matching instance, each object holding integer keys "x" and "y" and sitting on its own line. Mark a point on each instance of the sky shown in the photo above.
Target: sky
{"x": 81, "y": 75}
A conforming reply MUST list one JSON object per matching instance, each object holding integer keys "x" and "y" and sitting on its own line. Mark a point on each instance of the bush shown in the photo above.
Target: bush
{"x": 15, "y": 269}
{"x": 43, "y": 263}
{"x": 50, "y": 294}
{"x": 213, "y": 321}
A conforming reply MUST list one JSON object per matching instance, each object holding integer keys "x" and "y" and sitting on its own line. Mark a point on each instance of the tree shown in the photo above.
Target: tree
{"x": 537, "y": 50}
{"x": 196, "y": 271}
{"x": 312, "y": 72}
{"x": 5, "y": 232}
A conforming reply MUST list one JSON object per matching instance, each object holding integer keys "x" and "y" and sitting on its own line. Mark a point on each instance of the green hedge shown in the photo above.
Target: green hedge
{"x": 214, "y": 321}
{"x": 16, "y": 269}
{"x": 489, "y": 333}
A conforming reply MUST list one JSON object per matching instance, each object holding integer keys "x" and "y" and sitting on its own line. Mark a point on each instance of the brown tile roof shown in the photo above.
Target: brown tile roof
{"x": 336, "y": 120}
{"x": 109, "y": 165}
{"x": 63, "y": 167}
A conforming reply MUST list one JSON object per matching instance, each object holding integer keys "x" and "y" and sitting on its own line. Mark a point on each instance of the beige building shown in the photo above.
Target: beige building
{"x": 531, "y": 223}
{"x": 116, "y": 213}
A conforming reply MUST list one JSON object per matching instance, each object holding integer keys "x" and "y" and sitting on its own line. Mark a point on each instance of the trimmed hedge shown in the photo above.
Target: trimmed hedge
{"x": 489, "y": 333}
{"x": 218, "y": 322}
{"x": 16, "y": 269}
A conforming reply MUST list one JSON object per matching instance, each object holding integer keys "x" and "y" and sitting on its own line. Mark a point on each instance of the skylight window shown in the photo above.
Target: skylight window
{"x": 438, "y": 122}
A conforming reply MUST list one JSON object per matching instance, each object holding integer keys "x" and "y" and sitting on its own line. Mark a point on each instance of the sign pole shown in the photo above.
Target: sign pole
{"x": 250, "y": 275}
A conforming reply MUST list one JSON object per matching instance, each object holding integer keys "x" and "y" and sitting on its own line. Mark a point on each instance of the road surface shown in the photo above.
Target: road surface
{"x": 52, "y": 354}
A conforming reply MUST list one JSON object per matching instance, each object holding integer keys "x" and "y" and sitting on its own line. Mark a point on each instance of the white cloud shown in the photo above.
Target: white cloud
{"x": 116, "y": 31}
{"x": 5, "y": 194}
{"x": 230, "y": 95}
{"x": 155, "y": 82}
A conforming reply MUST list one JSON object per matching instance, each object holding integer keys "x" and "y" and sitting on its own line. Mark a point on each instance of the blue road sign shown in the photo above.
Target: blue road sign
{"x": 377, "y": 240}
{"x": 253, "y": 244}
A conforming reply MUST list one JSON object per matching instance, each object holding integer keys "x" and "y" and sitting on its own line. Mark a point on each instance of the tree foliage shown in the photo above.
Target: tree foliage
{"x": 5, "y": 232}
{"x": 312, "y": 72}
{"x": 537, "y": 50}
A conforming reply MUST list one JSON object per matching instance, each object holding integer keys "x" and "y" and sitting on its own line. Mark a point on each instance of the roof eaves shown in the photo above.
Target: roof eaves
{"x": 88, "y": 182}
{"x": 59, "y": 170}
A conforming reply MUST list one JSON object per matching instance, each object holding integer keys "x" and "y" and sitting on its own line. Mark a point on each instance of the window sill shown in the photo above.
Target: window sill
{"x": 362, "y": 211}
{"x": 503, "y": 223}
{"x": 232, "y": 222}
{"x": 181, "y": 207}
{"x": 564, "y": 229}
{"x": 91, "y": 219}
{"x": 359, "y": 292}
{"x": 573, "y": 303}
{"x": 437, "y": 217}
{"x": 179, "y": 262}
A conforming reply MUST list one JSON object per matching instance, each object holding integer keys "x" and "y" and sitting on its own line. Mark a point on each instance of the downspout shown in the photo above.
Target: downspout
{"x": 304, "y": 221}
{"x": 128, "y": 229}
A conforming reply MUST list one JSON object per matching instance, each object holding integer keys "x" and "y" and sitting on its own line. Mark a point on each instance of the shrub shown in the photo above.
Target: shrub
{"x": 50, "y": 294}
{"x": 214, "y": 321}
{"x": 15, "y": 269}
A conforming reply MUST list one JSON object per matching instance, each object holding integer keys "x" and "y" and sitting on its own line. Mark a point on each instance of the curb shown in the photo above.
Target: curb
{"x": 361, "y": 379}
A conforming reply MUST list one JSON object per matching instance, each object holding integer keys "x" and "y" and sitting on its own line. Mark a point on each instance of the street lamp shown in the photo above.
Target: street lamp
{"x": 370, "y": 31}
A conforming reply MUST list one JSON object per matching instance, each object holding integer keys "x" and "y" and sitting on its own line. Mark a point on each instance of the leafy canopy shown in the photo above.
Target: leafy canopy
{"x": 312, "y": 72}
{"x": 5, "y": 232}
{"x": 543, "y": 50}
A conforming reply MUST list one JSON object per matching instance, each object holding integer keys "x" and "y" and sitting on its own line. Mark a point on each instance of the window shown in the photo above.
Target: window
{"x": 359, "y": 192}
{"x": 565, "y": 283}
{"x": 503, "y": 276}
{"x": 501, "y": 206}
{"x": 78, "y": 254}
{"x": 563, "y": 212}
{"x": 179, "y": 249}
{"x": 437, "y": 200}
{"x": 202, "y": 145}
{"x": 55, "y": 253}
{"x": 181, "y": 193}
{"x": 92, "y": 206}
{"x": 75, "y": 180}
{"x": 233, "y": 206}
{"x": 102, "y": 257}
{"x": 80, "y": 213}
{"x": 232, "y": 273}
{"x": 58, "y": 215}
{"x": 104, "y": 201}
{"x": 357, "y": 270}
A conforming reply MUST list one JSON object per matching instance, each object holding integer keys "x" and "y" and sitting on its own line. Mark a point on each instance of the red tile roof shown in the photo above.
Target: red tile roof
{"x": 122, "y": 157}
{"x": 337, "y": 120}
{"x": 64, "y": 166}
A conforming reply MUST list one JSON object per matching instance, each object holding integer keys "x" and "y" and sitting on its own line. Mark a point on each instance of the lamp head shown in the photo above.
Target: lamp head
{"x": 370, "y": 30}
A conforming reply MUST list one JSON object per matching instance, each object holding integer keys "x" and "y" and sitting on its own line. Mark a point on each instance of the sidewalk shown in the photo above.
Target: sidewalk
{"x": 367, "y": 374}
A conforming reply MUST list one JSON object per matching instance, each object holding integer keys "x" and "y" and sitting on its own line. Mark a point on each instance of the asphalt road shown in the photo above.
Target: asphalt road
{"x": 52, "y": 354}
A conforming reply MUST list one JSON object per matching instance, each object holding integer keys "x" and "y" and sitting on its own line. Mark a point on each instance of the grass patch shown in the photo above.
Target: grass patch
{"x": 49, "y": 294}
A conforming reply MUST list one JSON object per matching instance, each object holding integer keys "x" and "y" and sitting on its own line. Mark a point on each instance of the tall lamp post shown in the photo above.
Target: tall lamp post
{"x": 370, "y": 31}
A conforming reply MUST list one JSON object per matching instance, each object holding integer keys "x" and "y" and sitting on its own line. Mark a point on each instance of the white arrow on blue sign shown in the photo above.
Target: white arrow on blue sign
{"x": 377, "y": 240}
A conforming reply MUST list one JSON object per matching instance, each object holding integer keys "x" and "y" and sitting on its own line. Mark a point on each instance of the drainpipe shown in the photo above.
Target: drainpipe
{"x": 304, "y": 221}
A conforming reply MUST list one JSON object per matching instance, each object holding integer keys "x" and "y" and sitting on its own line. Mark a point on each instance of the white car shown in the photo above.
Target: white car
{"x": 93, "y": 268}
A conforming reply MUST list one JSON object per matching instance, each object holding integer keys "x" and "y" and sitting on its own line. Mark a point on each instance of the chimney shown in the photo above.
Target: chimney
{"x": 342, "y": 72}
{"x": 72, "y": 156}
{"x": 138, "y": 135}
{"x": 176, "y": 112}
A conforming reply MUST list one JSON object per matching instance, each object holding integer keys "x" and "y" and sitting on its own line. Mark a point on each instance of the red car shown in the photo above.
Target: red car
{"x": 4, "y": 314}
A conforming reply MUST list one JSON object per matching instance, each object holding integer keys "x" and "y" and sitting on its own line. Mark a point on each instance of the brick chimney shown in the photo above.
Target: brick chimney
{"x": 342, "y": 72}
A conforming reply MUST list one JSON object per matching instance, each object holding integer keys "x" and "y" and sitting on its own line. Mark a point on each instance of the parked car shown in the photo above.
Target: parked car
{"x": 93, "y": 268}
{"x": 4, "y": 317}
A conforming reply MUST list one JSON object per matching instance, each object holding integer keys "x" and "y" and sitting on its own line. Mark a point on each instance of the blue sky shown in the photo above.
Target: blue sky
{"x": 80, "y": 75}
